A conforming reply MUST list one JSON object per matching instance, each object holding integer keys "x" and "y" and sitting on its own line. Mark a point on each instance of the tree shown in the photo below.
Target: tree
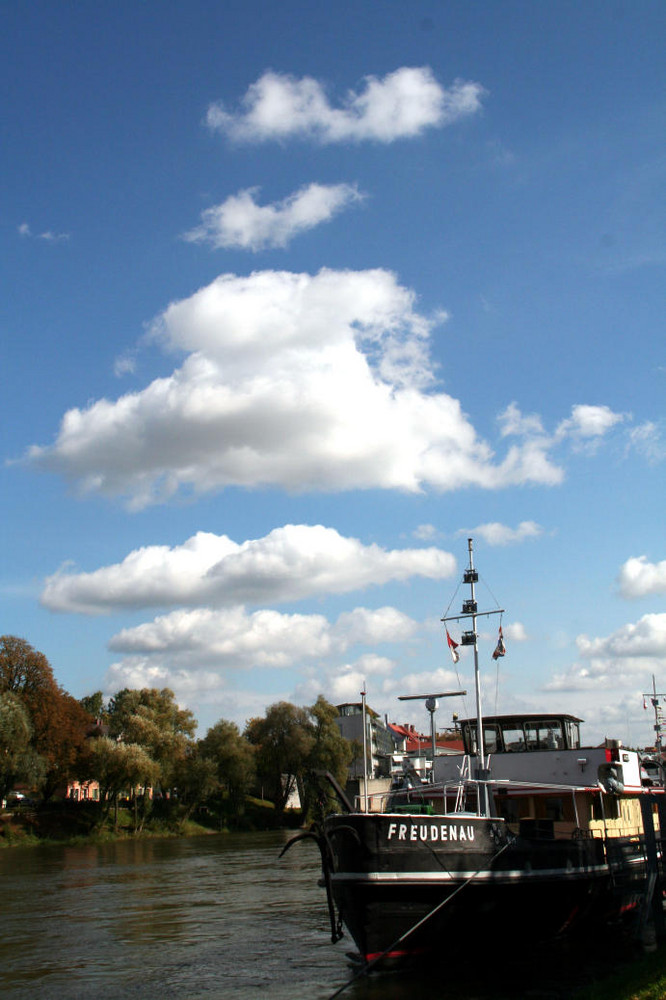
{"x": 121, "y": 767}
{"x": 59, "y": 723}
{"x": 293, "y": 747}
{"x": 152, "y": 719}
{"x": 159, "y": 706}
{"x": 18, "y": 760}
{"x": 234, "y": 760}
{"x": 94, "y": 705}
{"x": 196, "y": 779}
{"x": 283, "y": 739}
{"x": 23, "y": 670}
{"x": 61, "y": 727}
{"x": 330, "y": 752}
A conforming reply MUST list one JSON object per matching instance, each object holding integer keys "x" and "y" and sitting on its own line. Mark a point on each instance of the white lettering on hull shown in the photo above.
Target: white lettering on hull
{"x": 431, "y": 832}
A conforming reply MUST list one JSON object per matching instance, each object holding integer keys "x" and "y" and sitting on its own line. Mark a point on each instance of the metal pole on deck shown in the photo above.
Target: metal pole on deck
{"x": 365, "y": 753}
{"x": 470, "y": 638}
{"x": 477, "y": 681}
{"x": 481, "y": 770}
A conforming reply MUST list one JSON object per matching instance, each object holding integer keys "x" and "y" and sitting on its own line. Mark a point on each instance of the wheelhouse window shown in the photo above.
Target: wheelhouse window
{"x": 573, "y": 735}
{"x": 544, "y": 734}
{"x": 514, "y": 738}
{"x": 492, "y": 739}
{"x": 515, "y": 734}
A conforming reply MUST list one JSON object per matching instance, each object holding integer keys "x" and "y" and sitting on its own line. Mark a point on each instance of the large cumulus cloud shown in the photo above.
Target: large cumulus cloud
{"x": 290, "y": 563}
{"x": 305, "y": 382}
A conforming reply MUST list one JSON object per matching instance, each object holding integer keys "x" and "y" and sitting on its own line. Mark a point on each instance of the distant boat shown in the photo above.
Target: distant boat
{"x": 524, "y": 836}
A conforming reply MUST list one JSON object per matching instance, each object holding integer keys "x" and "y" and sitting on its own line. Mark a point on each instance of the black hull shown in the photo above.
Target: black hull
{"x": 402, "y": 893}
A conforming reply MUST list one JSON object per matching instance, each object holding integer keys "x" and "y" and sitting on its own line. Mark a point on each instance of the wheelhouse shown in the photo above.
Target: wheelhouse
{"x": 523, "y": 733}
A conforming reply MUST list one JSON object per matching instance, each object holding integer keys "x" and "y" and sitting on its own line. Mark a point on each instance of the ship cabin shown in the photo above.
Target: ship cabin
{"x": 522, "y": 733}
{"x": 543, "y": 777}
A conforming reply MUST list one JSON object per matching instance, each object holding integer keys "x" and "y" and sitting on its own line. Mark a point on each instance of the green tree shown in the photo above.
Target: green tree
{"x": 94, "y": 705}
{"x": 294, "y": 746}
{"x": 121, "y": 767}
{"x": 330, "y": 752}
{"x": 283, "y": 741}
{"x": 195, "y": 778}
{"x": 234, "y": 760}
{"x": 152, "y": 719}
{"x": 18, "y": 760}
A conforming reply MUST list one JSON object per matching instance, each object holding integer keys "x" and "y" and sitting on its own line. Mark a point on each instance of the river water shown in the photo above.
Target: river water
{"x": 174, "y": 919}
{"x": 182, "y": 919}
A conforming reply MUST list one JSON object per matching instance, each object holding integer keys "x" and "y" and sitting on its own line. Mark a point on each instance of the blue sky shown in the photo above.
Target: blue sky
{"x": 297, "y": 298}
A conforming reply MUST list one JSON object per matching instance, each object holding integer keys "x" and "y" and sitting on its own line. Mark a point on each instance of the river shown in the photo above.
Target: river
{"x": 182, "y": 919}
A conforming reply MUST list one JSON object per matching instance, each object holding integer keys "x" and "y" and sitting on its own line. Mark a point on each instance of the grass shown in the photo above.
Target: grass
{"x": 642, "y": 979}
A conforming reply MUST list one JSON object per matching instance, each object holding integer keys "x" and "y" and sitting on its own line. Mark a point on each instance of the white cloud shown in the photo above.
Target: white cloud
{"x": 241, "y": 222}
{"x": 513, "y": 422}
{"x": 344, "y": 682}
{"x": 648, "y": 441}
{"x": 647, "y": 637}
{"x": 494, "y": 533}
{"x": 214, "y": 644}
{"x": 431, "y": 681}
{"x": 196, "y": 689}
{"x": 308, "y": 383}
{"x": 628, "y": 656}
{"x": 585, "y": 424}
{"x": 380, "y": 677}
{"x": 515, "y": 632}
{"x": 400, "y": 105}
{"x": 380, "y": 625}
{"x": 48, "y": 235}
{"x": 202, "y": 654}
{"x": 52, "y": 237}
{"x": 425, "y": 532}
{"x": 589, "y": 422}
{"x": 640, "y": 578}
{"x": 289, "y": 563}
{"x": 231, "y": 637}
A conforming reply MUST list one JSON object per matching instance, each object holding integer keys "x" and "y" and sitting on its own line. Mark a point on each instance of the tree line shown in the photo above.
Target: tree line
{"x": 141, "y": 740}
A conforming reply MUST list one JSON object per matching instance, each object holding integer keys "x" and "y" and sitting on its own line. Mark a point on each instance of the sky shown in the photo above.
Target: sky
{"x": 296, "y": 299}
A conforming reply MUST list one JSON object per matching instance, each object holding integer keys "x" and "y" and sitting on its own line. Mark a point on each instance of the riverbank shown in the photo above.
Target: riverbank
{"x": 83, "y": 822}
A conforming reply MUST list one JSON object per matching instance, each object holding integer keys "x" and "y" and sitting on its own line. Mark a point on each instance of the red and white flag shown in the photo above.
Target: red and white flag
{"x": 644, "y": 703}
{"x": 453, "y": 646}
{"x": 499, "y": 648}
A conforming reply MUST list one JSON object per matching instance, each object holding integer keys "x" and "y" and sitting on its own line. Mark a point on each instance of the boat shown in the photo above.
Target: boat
{"x": 525, "y": 836}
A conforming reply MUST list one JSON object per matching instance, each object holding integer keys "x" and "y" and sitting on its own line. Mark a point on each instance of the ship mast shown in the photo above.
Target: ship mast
{"x": 470, "y": 638}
